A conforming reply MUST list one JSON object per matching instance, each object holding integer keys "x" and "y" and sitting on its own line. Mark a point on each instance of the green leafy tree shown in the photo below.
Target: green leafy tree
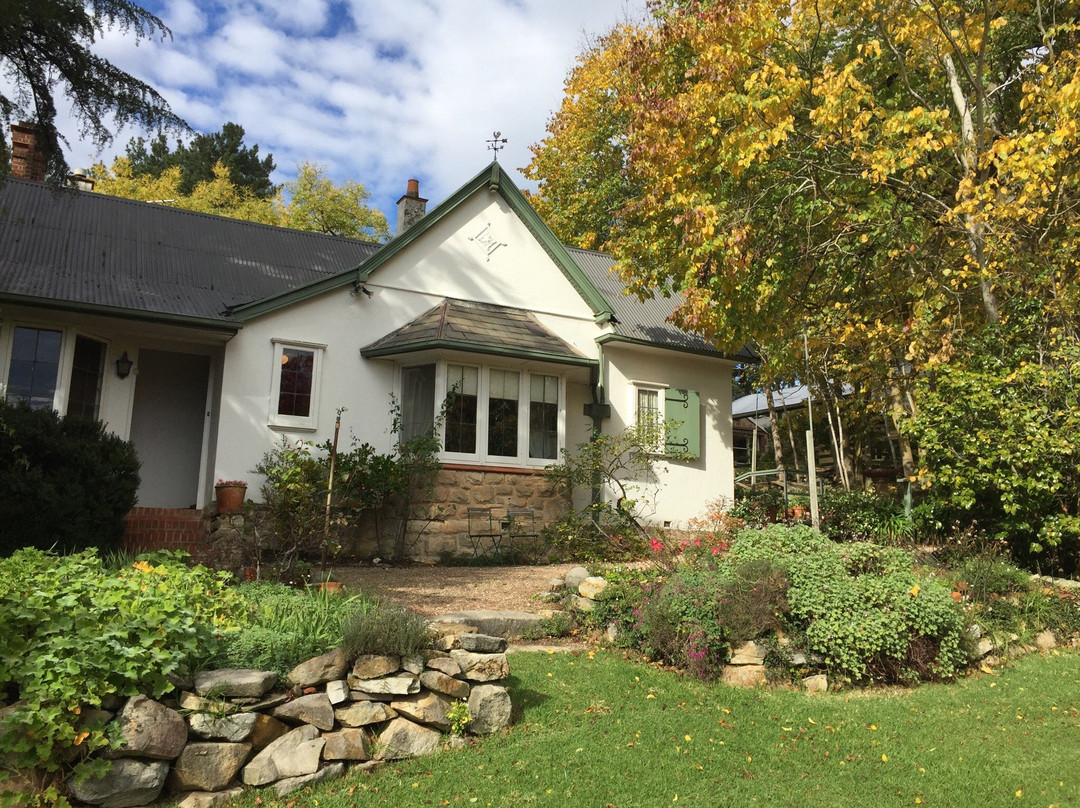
{"x": 318, "y": 205}
{"x": 45, "y": 50}
{"x": 197, "y": 159}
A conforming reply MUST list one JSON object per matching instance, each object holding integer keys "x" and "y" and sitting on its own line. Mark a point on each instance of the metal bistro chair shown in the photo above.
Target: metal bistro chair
{"x": 485, "y": 534}
{"x": 520, "y": 524}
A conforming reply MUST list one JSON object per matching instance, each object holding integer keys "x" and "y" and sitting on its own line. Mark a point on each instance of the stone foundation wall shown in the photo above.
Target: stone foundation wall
{"x": 458, "y": 489}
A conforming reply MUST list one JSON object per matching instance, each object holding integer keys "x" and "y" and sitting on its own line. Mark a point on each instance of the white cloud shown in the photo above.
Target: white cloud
{"x": 377, "y": 90}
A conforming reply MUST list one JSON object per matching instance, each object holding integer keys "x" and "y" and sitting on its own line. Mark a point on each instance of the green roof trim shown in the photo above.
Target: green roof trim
{"x": 495, "y": 179}
{"x": 162, "y": 318}
{"x": 472, "y": 347}
{"x": 607, "y": 339}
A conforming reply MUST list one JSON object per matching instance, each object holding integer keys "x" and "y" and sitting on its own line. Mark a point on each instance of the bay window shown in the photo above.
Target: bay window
{"x": 491, "y": 415}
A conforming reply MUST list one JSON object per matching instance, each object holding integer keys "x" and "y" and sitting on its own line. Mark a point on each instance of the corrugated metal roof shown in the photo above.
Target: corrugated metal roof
{"x": 636, "y": 319}
{"x": 90, "y": 249}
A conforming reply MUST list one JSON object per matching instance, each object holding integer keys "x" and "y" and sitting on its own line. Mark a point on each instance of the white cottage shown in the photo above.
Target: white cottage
{"x": 206, "y": 340}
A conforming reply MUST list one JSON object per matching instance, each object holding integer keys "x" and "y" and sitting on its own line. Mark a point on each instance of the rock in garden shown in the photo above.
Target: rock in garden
{"x": 444, "y": 664}
{"x": 245, "y": 683}
{"x": 234, "y": 728}
{"x": 393, "y": 685}
{"x": 1045, "y": 640}
{"x": 363, "y": 713}
{"x": 592, "y": 586}
{"x": 404, "y": 739}
{"x": 331, "y": 771}
{"x": 816, "y": 684}
{"x": 582, "y": 604}
{"x": 985, "y": 646}
{"x": 320, "y": 669}
{"x": 483, "y": 643}
{"x": 129, "y": 782}
{"x": 208, "y": 766}
{"x": 150, "y": 729}
{"x": 267, "y": 730}
{"x": 447, "y": 685}
{"x": 573, "y": 579}
{"x": 481, "y": 667}
{"x": 426, "y": 708}
{"x": 555, "y": 584}
{"x": 210, "y": 799}
{"x": 347, "y": 744}
{"x": 372, "y": 666}
{"x": 360, "y": 695}
{"x": 489, "y": 709}
{"x": 315, "y": 709}
{"x": 337, "y": 691}
{"x": 743, "y": 675}
{"x": 749, "y": 653}
{"x": 413, "y": 663}
{"x": 293, "y": 754}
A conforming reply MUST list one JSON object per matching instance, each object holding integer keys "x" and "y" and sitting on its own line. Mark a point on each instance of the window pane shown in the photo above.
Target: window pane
{"x": 461, "y": 387}
{"x": 544, "y": 417}
{"x": 503, "y": 413}
{"x": 35, "y": 361}
{"x": 648, "y": 418}
{"x": 297, "y": 376}
{"x": 417, "y": 401}
{"x": 87, "y": 371}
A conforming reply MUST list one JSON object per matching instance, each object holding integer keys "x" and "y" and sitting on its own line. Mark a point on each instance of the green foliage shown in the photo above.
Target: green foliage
{"x": 386, "y": 629}
{"x": 759, "y": 506}
{"x": 459, "y": 717}
{"x": 285, "y": 626}
{"x": 619, "y": 472}
{"x": 293, "y": 517}
{"x": 1015, "y": 392}
{"x": 65, "y": 483}
{"x": 197, "y": 159}
{"x": 317, "y": 205}
{"x": 75, "y": 634}
{"x": 864, "y": 516}
{"x": 45, "y": 45}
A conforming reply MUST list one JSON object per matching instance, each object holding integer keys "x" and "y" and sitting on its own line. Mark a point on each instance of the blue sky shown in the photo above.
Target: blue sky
{"x": 378, "y": 91}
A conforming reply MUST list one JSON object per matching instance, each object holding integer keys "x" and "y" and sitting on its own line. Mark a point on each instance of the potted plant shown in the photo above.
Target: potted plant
{"x": 230, "y": 496}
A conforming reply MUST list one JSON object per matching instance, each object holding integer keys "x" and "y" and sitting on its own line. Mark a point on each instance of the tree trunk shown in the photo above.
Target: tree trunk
{"x": 774, "y": 429}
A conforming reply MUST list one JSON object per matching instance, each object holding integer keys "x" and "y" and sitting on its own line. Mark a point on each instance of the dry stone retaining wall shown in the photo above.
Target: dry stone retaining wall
{"x": 239, "y": 726}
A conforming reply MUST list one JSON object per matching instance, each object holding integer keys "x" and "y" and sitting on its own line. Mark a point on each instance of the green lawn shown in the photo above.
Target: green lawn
{"x": 604, "y": 731}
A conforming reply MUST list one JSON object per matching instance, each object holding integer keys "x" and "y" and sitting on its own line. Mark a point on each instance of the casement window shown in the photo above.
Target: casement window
{"x": 498, "y": 416}
{"x": 294, "y": 396}
{"x": 669, "y": 420}
{"x": 35, "y": 372}
{"x": 87, "y": 374}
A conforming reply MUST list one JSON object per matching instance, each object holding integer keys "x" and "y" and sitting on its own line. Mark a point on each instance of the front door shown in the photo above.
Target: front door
{"x": 167, "y": 422}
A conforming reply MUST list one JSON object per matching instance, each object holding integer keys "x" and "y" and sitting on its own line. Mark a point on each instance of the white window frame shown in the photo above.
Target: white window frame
{"x": 636, "y": 387}
{"x": 65, "y": 361}
{"x": 275, "y": 420}
{"x": 480, "y": 456}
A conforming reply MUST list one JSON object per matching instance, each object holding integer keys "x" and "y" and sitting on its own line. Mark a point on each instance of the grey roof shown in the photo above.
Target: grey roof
{"x": 88, "y": 250}
{"x": 642, "y": 320}
{"x": 756, "y": 404}
{"x": 479, "y": 328}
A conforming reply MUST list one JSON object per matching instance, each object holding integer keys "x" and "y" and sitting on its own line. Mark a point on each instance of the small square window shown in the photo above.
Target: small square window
{"x": 34, "y": 368}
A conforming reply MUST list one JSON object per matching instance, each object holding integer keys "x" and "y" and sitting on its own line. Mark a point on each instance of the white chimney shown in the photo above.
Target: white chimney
{"x": 411, "y": 207}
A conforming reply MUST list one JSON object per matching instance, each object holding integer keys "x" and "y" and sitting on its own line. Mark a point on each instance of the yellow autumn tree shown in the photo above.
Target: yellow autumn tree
{"x": 895, "y": 179}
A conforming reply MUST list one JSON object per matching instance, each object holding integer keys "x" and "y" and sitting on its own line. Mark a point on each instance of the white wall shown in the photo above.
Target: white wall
{"x": 685, "y": 485}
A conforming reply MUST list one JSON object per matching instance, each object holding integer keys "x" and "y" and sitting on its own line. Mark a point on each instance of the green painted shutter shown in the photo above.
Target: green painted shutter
{"x": 682, "y": 414}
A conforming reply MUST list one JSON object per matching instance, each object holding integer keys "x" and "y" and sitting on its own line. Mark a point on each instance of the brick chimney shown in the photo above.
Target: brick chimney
{"x": 27, "y": 160}
{"x": 411, "y": 207}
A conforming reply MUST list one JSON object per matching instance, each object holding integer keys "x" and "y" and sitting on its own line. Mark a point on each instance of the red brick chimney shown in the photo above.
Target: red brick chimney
{"x": 411, "y": 207}
{"x": 27, "y": 160}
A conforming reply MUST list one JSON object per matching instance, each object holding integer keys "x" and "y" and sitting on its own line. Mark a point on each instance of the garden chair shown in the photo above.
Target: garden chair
{"x": 485, "y": 533}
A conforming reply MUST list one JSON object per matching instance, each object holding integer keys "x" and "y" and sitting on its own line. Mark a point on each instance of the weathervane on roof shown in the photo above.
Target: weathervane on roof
{"x": 496, "y": 143}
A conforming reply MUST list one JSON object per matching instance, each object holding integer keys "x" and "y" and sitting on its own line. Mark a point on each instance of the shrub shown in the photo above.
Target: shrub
{"x": 65, "y": 482}
{"x": 386, "y": 629}
{"x": 75, "y": 633}
{"x": 285, "y": 626}
{"x": 864, "y": 516}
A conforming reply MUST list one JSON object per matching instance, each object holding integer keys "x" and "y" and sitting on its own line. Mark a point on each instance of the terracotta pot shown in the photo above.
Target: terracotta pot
{"x": 230, "y": 498}
{"x": 330, "y": 586}
{"x": 250, "y": 573}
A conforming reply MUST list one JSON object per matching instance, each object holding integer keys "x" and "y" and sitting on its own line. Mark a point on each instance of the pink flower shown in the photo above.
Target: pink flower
{"x": 656, "y": 545}
{"x": 716, "y": 551}
{"x": 697, "y": 542}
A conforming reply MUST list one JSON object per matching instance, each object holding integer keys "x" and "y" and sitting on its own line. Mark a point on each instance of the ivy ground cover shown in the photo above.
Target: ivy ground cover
{"x": 598, "y": 730}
